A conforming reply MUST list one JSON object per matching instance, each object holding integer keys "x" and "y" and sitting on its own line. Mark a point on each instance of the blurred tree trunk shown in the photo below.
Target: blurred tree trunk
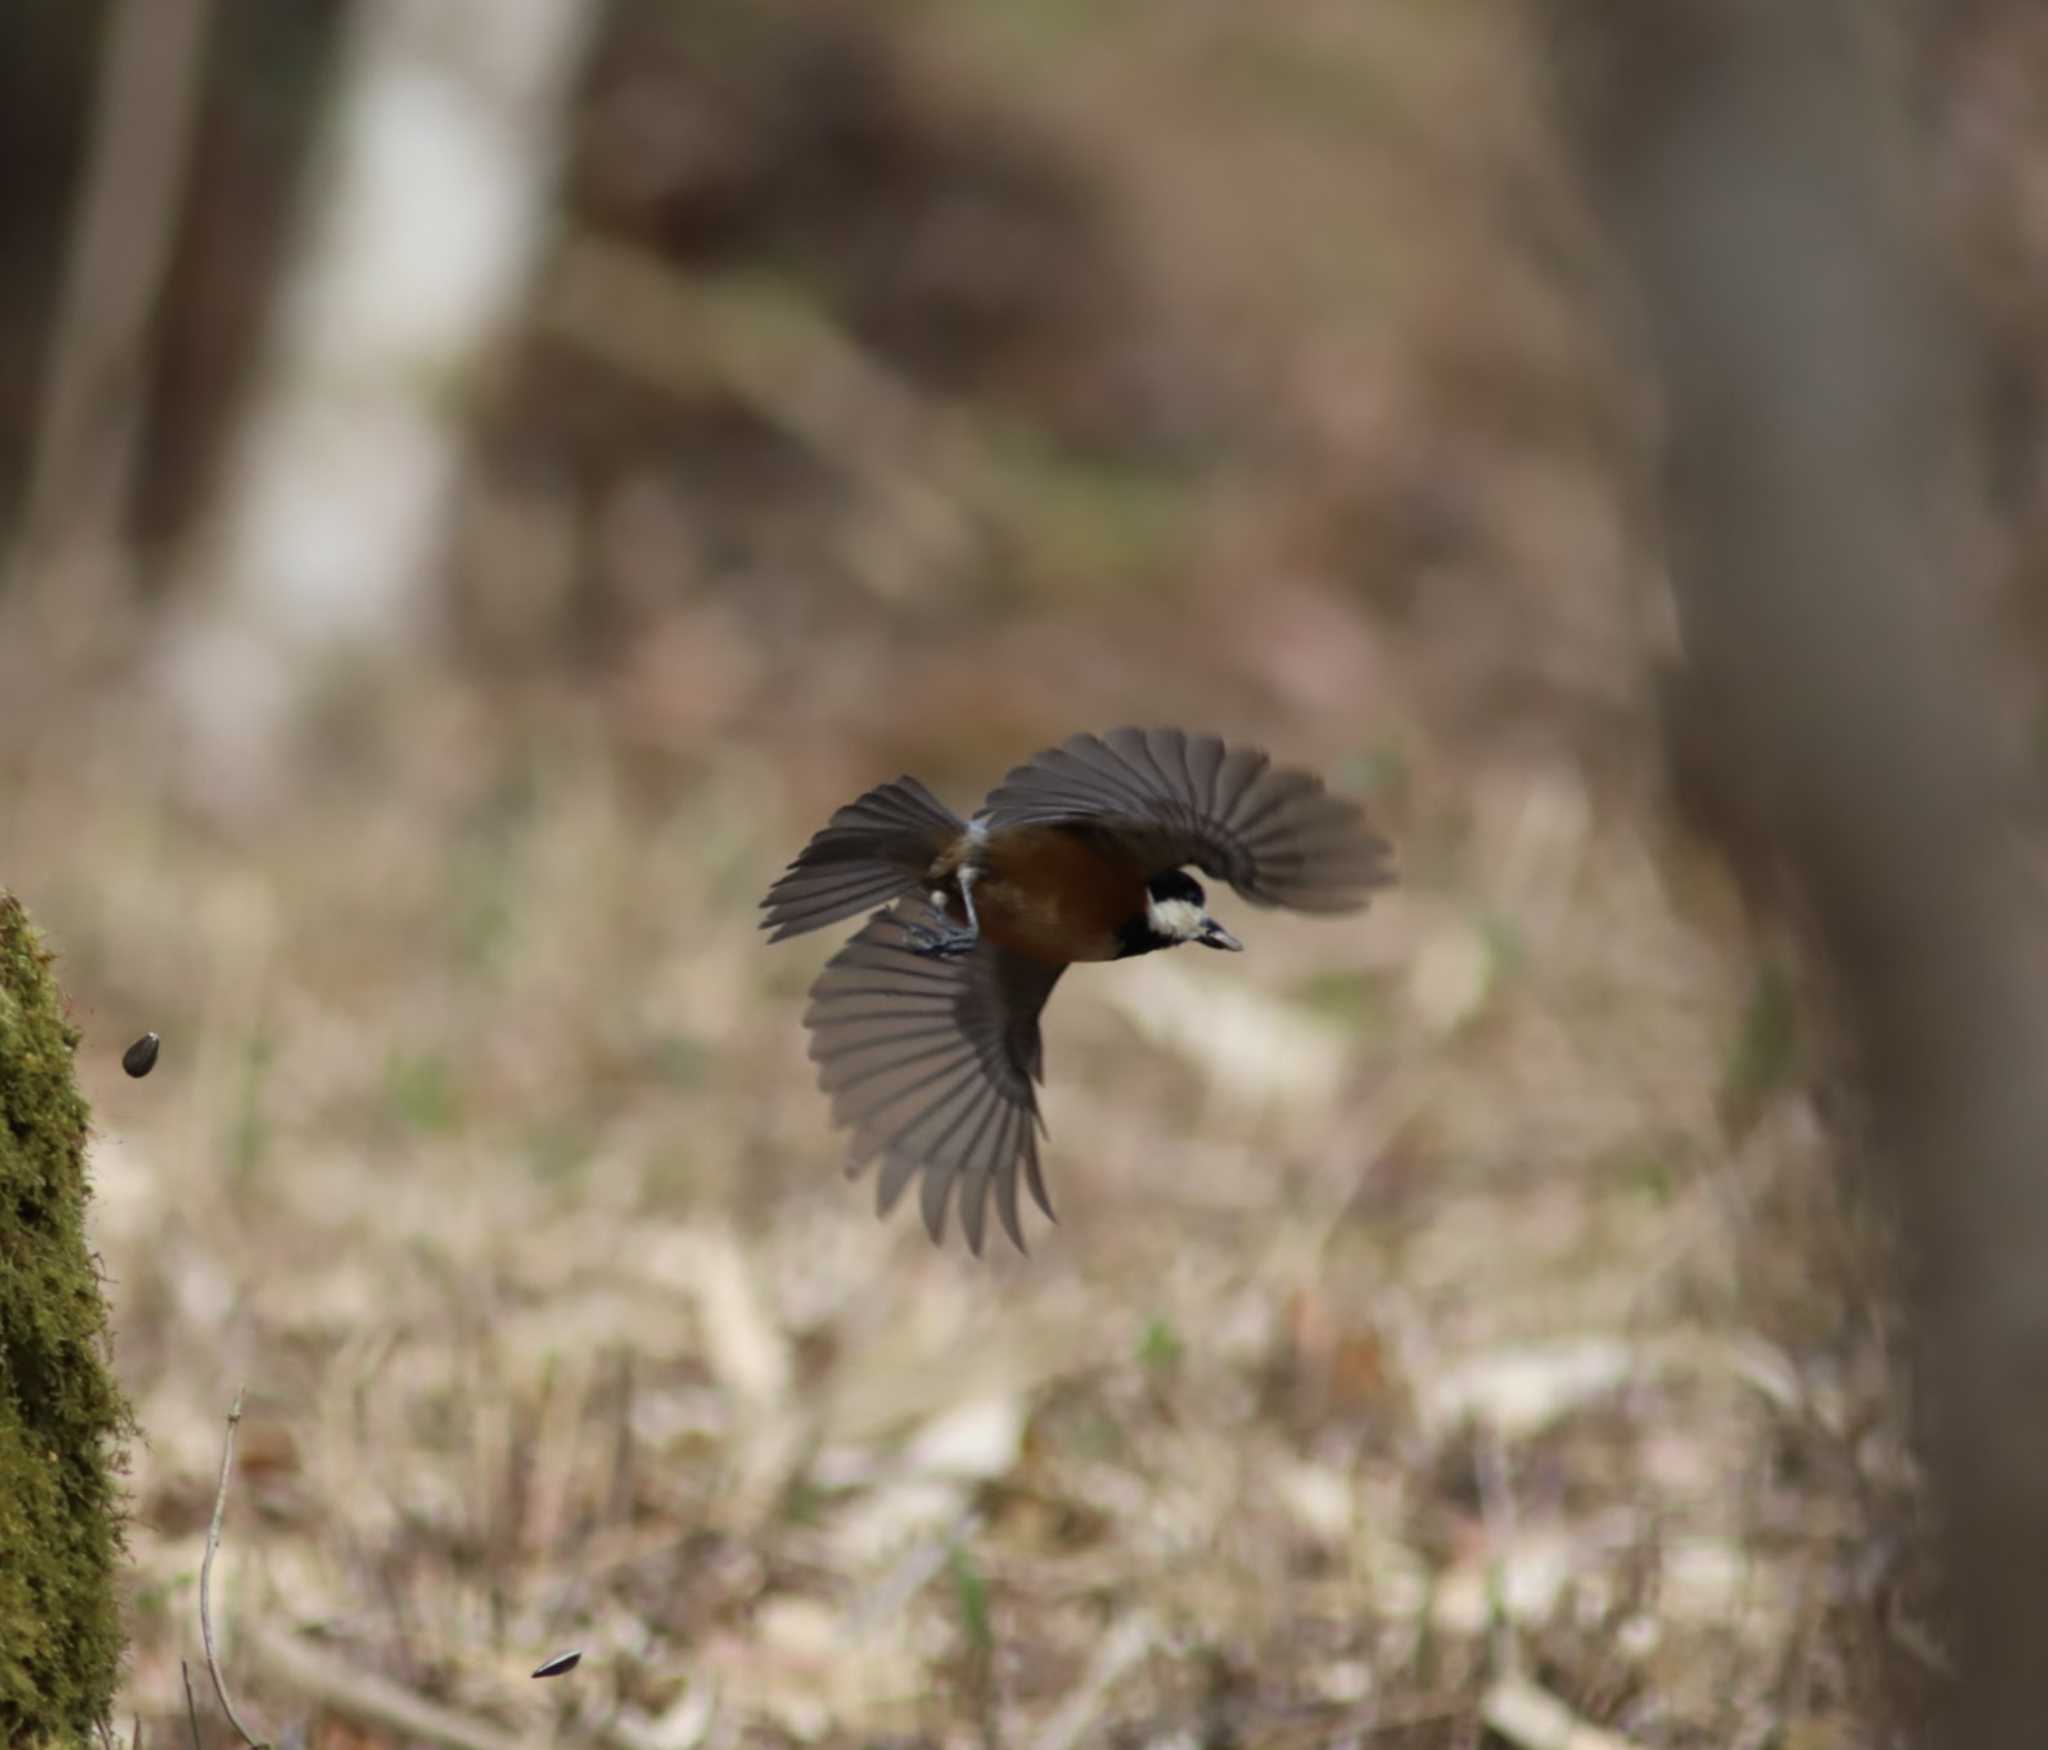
{"x": 120, "y": 246}
{"x": 62, "y": 1417}
{"x": 1762, "y": 169}
{"x": 423, "y": 215}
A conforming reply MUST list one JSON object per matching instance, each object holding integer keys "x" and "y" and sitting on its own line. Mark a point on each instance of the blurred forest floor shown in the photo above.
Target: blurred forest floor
{"x": 1458, "y": 1298}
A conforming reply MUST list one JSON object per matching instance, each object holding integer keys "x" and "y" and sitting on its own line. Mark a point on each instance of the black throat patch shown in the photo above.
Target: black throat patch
{"x": 1139, "y": 937}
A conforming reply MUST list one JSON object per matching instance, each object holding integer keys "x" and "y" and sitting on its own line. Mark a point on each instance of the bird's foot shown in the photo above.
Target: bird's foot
{"x": 941, "y": 944}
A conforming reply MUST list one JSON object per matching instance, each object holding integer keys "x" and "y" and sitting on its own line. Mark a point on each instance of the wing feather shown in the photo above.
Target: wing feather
{"x": 930, "y": 1063}
{"x": 875, "y": 849}
{"x": 1274, "y": 833}
{"x": 1205, "y": 761}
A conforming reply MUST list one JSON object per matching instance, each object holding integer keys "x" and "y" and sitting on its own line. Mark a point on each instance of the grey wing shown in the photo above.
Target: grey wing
{"x": 1173, "y": 798}
{"x": 930, "y": 1063}
{"x": 870, "y": 852}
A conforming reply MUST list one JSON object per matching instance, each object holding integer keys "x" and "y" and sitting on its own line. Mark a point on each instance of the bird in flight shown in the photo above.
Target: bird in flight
{"x": 924, "y": 1026}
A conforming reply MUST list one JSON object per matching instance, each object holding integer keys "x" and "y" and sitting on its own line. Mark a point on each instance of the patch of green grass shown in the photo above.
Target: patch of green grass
{"x": 970, "y": 1593}
{"x": 483, "y": 869}
{"x": 483, "y": 912}
{"x": 1382, "y": 776}
{"x": 1287, "y": 73}
{"x": 1766, "y": 1053}
{"x": 556, "y": 1153}
{"x": 1651, "y": 1175}
{"x": 803, "y": 1502}
{"x": 161, "y": 1600}
{"x": 1047, "y": 28}
{"x": 680, "y": 1060}
{"x": 732, "y": 862}
{"x": 421, "y": 1092}
{"x": 1160, "y": 1348}
{"x": 248, "y": 1139}
{"x": 1095, "y": 520}
{"x": 1506, "y": 951}
{"x": 1350, "y": 999}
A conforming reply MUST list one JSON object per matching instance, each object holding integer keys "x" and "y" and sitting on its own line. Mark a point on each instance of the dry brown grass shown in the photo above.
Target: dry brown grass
{"x": 1410, "y": 1318}
{"x": 1457, "y": 1294}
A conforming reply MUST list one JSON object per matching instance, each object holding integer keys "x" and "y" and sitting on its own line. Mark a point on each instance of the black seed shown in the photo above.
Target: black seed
{"x": 560, "y": 1663}
{"x": 140, "y": 1058}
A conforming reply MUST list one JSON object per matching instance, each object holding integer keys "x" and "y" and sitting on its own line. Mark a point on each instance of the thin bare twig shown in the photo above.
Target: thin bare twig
{"x": 1534, "y": 1719}
{"x": 1497, "y": 1505}
{"x": 191, "y": 1707}
{"x": 220, "y": 1504}
{"x": 358, "y": 1694}
{"x": 1079, "y": 1717}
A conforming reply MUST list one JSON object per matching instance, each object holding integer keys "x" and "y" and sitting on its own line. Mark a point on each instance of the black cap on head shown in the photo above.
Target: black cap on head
{"x": 1177, "y": 884}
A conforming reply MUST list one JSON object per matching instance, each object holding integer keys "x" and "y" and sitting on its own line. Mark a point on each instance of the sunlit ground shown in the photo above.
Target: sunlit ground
{"x": 1447, "y": 1305}
{"x": 1411, "y": 1317}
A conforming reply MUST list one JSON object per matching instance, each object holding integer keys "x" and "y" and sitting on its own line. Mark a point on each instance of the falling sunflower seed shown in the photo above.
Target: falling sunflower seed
{"x": 140, "y": 1058}
{"x": 560, "y": 1663}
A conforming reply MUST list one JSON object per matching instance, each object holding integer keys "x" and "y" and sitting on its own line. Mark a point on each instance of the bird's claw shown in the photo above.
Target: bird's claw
{"x": 940, "y": 944}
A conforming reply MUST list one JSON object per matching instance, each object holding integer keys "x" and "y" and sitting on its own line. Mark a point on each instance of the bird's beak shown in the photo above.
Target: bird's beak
{"x": 1214, "y": 935}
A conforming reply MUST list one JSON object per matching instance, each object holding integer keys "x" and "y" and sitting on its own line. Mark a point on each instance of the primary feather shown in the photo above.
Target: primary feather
{"x": 1172, "y": 798}
{"x": 872, "y": 851}
{"x": 930, "y": 1063}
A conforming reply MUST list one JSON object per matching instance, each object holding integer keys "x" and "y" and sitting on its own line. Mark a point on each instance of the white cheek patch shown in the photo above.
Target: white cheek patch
{"x": 1179, "y": 919}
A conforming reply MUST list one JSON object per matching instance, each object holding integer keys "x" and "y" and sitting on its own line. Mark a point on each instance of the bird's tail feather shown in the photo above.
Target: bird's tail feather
{"x": 872, "y": 851}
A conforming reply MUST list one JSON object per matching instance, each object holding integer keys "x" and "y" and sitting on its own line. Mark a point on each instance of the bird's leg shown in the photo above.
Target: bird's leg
{"x": 950, "y": 943}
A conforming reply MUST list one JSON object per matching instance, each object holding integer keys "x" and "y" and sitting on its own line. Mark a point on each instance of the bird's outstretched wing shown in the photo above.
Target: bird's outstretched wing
{"x": 931, "y": 1062}
{"x": 872, "y": 851}
{"x": 1172, "y": 798}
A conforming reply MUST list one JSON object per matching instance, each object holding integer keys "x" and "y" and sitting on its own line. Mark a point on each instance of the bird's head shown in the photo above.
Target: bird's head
{"x": 1175, "y": 913}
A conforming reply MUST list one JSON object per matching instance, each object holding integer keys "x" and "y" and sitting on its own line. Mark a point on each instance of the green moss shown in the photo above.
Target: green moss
{"x": 1766, "y": 1054}
{"x": 62, "y": 1417}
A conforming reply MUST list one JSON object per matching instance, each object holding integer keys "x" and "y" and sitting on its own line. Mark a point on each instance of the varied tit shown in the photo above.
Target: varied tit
{"x": 925, "y": 1025}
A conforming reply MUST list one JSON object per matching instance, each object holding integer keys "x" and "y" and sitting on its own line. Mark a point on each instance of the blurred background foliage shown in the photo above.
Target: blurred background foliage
{"x": 1459, "y": 1305}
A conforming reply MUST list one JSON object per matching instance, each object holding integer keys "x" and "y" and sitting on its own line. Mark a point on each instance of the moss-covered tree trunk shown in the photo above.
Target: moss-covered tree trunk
{"x": 62, "y": 1417}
